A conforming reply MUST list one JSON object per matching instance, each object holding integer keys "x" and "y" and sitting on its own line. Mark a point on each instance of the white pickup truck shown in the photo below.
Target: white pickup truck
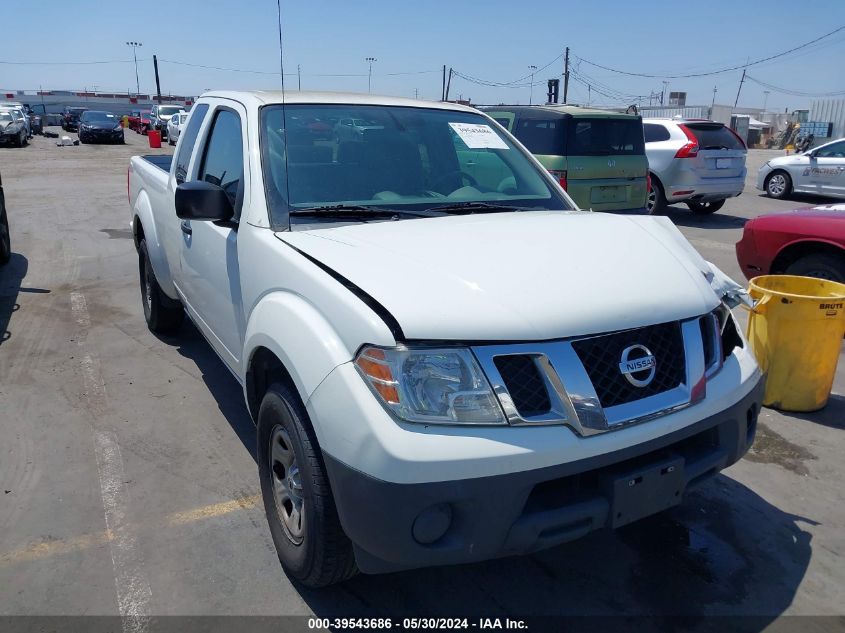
{"x": 446, "y": 361}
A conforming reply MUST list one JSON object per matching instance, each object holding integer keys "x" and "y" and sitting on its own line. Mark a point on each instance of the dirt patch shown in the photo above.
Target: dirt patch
{"x": 772, "y": 448}
{"x": 118, "y": 234}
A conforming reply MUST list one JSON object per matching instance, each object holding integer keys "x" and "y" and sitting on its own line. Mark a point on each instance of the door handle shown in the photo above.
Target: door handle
{"x": 186, "y": 228}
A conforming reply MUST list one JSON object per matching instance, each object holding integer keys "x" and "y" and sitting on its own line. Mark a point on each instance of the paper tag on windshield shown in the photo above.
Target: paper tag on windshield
{"x": 478, "y": 136}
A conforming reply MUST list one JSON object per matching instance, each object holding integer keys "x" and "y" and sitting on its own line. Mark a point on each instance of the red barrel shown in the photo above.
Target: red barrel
{"x": 155, "y": 138}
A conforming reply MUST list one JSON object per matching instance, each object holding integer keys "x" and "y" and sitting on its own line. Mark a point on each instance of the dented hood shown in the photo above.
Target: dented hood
{"x": 519, "y": 276}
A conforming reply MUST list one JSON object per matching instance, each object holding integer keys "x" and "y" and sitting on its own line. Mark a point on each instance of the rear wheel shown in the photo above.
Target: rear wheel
{"x": 778, "y": 185}
{"x": 820, "y": 265}
{"x": 301, "y": 512}
{"x": 705, "y": 208}
{"x": 656, "y": 201}
{"x": 162, "y": 314}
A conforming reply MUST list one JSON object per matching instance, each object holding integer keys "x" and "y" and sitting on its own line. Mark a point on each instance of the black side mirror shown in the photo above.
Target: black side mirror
{"x": 200, "y": 200}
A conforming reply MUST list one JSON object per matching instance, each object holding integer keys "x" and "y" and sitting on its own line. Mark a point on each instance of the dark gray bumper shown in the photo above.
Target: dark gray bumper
{"x": 523, "y": 512}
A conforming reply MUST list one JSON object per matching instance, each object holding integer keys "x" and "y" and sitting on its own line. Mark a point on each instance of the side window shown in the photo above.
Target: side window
{"x": 835, "y": 150}
{"x": 223, "y": 161}
{"x": 654, "y": 133}
{"x": 187, "y": 147}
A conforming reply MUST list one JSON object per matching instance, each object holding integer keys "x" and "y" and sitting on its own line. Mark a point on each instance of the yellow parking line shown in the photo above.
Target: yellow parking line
{"x": 211, "y": 511}
{"x": 42, "y": 549}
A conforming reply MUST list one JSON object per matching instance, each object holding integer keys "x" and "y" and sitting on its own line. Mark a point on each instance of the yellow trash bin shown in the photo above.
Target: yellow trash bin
{"x": 795, "y": 330}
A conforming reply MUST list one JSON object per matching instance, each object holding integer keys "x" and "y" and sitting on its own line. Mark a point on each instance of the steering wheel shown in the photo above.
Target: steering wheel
{"x": 455, "y": 172}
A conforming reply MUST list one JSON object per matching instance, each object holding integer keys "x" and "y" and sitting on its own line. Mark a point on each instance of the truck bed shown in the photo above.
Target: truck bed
{"x": 162, "y": 161}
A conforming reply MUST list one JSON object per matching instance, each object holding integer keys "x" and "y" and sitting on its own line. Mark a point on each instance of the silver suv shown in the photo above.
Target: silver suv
{"x": 695, "y": 161}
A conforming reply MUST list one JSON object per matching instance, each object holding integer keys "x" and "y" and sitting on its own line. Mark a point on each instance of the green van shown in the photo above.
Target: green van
{"x": 598, "y": 156}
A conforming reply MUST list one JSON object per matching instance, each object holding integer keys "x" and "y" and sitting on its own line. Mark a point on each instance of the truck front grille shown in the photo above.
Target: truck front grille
{"x": 524, "y": 383}
{"x": 601, "y": 356}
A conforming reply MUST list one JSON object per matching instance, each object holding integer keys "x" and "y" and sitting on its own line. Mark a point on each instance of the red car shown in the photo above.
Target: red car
{"x": 808, "y": 242}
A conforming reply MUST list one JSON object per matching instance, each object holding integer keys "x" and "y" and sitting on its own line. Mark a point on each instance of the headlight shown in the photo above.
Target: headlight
{"x": 432, "y": 386}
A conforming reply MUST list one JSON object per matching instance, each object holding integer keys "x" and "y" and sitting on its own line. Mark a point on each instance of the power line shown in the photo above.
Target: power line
{"x": 509, "y": 84}
{"x": 715, "y": 72}
{"x": 795, "y": 93}
{"x": 108, "y": 61}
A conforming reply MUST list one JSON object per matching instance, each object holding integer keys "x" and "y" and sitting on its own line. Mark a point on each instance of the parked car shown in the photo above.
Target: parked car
{"x": 19, "y": 110}
{"x": 175, "y": 125}
{"x": 820, "y": 171}
{"x": 808, "y": 242}
{"x": 98, "y": 126}
{"x": 12, "y": 128}
{"x": 349, "y": 129}
{"x": 597, "y": 156}
{"x": 70, "y": 118}
{"x": 5, "y": 240}
{"x": 698, "y": 162}
{"x": 459, "y": 406}
{"x": 160, "y": 115}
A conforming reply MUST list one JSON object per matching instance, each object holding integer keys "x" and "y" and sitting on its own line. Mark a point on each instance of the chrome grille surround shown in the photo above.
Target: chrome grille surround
{"x": 574, "y": 401}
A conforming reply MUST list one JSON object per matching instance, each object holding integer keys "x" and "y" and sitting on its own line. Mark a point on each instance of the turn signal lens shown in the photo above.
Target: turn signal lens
{"x": 372, "y": 364}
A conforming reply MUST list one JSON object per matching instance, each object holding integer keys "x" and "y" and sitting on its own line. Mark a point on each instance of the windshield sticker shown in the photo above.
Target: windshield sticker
{"x": 478, "y": 136}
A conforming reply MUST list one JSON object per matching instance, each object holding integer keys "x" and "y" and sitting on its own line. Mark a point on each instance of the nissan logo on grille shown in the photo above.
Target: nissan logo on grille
{"x": 638, "y": 365}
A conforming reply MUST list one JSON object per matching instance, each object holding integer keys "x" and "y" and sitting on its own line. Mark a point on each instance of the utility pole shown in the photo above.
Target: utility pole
{"x": 589, "y": 94}
{"x": 663, "y": 94}
{"x": 443, "y": 89}
{"x": 532, "y": 68}
{"x": 298, "y": 77}
{"x": 765, "y": 98}
{"x": 713, "y": 101}
{"x": 134, "y": 46}
{"x": 416, "y": 93}
{"x": 158, "y": 83}
{"x": 738, "y": 90}
{"x": 370, "y": 60}
{"x": 448, "y": 85}
{"x": 566, "y": 76}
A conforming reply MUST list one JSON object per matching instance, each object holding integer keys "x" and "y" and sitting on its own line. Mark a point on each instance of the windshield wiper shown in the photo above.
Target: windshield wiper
{"x": 476, "y": 207}
{"x": 354, "y": 211}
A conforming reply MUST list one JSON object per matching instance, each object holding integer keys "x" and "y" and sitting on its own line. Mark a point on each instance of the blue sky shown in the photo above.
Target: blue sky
{"x": 493, "y": 40}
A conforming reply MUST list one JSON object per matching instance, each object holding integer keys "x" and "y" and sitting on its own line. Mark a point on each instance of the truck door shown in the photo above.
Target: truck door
{"x": 210, "y": 262}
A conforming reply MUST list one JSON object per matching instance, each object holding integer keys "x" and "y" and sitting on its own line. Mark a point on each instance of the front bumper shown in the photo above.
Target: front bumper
{"x": 397, "y": 526}
{"x": 102, "y": 136}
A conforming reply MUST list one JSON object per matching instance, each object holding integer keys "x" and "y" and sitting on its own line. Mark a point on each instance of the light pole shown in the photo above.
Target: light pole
{"x": 663, "y": 94}
{"x": 765, "y": 98}
{"x": 135, "y": 46}
{"x": 370, "y": 61}
{"x": 532, "y": 68}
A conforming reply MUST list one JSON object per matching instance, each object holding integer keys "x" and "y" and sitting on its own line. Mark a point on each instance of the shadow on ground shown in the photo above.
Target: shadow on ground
{"x": 682, "y": 216}
{"x": 11, "y": 276}
{"x": 726, "y": 551}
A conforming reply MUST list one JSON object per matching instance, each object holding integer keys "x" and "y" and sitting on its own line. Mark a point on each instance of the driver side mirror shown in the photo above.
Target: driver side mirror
{"x": 200, "y": 200}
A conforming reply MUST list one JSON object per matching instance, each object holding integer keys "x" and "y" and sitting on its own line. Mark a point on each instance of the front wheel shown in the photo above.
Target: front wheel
{"x": 162, "y": 314}
{"x": 778, "y": 185}
{"x": 301, "y": 512}
{"x": 829, "y": 266}
{"x": 705, "y": 208}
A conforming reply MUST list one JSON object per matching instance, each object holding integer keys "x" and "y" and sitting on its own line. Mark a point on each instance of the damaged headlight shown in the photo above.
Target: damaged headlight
{"x": 431, "y": 386}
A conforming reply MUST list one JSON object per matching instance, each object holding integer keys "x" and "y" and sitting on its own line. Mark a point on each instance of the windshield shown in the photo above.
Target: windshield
{"x": 168, "y": 110}
{"x": 411, "y": 159}
{"x": 94, "y": 115}
{"x": 5, "y": 117}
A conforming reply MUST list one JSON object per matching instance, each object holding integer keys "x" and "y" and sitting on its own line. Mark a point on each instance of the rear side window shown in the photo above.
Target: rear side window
{"x": 223, "y": 161}
{"x": 834, "y": 150}
{"x": 605, "y": 137}
{"x": 655, "y": 133}
{"x": 542, "y": 136}
{"x": 183, "y": 156}
{"x": 714, "y": 136}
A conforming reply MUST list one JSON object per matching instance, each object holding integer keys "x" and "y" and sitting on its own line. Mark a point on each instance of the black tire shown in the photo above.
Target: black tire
{"x": 5, "y": 240}
{"x": 705, "y": 208}
{"x": 81, "y": 140}
{"x": 828, "y": 266}
{"x": 778, "y": 185}
{"x": 162, "y": 314}
{"x": 311, "y": 544}
{"x": 21, "y": 139}
{"x": 656, "y": 201}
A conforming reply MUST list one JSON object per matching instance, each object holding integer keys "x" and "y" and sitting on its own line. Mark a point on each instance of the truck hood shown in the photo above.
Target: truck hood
{"x": 520, "y": 276}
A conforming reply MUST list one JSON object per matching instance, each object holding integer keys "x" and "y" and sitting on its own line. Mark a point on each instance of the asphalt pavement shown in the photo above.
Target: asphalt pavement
{"x": 128, "y": 483}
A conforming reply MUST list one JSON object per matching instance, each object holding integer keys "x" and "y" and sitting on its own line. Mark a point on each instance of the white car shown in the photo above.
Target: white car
{"x": 820, "y": 171}
{"x": 174, "y": 126}
{"x": 18, "y": 114}
{"x": 697, "y": 162}
{"x": 440, "y": 367}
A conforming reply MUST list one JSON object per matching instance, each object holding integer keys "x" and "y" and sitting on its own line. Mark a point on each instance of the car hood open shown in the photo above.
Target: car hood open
{"x": 519, "y": 276}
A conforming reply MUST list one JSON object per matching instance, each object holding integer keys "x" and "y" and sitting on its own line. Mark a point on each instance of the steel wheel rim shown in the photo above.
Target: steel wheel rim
{"x": 777, "y": 184}
{"x": 286, "y": 481}
{"x": 651, "y": 200}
